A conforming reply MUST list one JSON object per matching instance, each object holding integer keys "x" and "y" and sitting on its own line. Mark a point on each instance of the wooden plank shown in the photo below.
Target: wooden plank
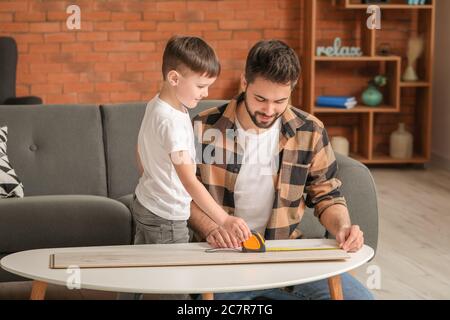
{"x": 309, "y": 43}
{"x": 428, "y": 23}
{"x": 414, "y": 84}
{"x": 146, "y": 256}
{"x": 357, "y": 109}
{"x": 386, "y": 159}
{"x": 390, "y": 6}
{"x": 366, "y": 135}
{"x": 364, "y": 58}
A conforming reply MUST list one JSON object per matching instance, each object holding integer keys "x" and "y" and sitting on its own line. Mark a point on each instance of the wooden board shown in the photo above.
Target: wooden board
{"x": 159, "y": 256}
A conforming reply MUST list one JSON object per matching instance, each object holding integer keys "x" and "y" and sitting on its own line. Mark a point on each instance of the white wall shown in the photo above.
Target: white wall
{"x": 441, "y": 92}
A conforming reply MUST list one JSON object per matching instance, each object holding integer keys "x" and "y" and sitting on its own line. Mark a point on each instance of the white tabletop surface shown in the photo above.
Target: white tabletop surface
{"x": 34, "y": 264}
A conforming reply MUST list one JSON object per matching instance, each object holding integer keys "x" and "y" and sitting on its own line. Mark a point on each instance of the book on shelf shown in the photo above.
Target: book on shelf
{"x": 339, "y": 102}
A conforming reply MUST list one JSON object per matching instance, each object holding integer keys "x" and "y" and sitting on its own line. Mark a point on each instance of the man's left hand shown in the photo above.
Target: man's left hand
{"x": 350, "y": 239}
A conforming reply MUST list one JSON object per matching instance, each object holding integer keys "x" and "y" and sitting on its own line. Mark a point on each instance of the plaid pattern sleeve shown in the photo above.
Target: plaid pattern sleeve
{"x": 217, "y": 159}
{"x": 322, "y": 186}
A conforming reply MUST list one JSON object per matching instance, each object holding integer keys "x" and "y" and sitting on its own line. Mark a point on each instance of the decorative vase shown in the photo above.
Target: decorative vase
{"x": 340, "y": 145}
{"x": 401, "y": 146}
{"x": 415, "y": 49}
{"x": 372, "y": 96}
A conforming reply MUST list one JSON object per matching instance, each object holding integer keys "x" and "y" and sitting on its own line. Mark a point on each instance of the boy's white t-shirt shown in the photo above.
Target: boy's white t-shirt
{"x": 164, "y": 130}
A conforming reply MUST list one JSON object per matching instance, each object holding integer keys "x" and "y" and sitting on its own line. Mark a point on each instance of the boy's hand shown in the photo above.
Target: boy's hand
{"x": 237, "y": 227}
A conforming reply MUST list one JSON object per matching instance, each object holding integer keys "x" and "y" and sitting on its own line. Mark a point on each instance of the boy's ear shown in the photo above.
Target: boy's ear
{"x": 172, "y": 77}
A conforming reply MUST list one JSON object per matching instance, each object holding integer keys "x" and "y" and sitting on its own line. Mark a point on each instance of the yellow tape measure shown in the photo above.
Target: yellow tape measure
{"x": 300, "y": 249}
{"x": 256, "y": 243}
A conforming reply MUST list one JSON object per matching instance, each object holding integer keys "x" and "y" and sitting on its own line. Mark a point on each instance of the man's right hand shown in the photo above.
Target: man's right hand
{"x": 221, "y": 238}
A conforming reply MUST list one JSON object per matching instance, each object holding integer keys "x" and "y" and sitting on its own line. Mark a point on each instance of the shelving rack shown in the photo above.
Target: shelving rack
{"x": 368, "y": 128}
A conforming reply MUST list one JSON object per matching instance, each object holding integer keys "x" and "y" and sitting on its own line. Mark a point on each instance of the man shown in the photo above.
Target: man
{"x": 268, "y": 193}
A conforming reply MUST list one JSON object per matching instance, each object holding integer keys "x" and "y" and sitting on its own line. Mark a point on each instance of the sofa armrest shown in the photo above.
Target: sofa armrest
{"x": 23, "y": 100}
{"x": 360, "y": 193}
{"x": 62, "y": 221}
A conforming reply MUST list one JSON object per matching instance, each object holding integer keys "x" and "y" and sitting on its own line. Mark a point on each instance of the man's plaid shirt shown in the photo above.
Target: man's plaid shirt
{"x": 307, "y": 165}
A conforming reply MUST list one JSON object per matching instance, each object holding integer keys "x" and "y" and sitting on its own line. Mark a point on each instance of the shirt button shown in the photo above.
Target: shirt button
{"x": 33, "y": 147}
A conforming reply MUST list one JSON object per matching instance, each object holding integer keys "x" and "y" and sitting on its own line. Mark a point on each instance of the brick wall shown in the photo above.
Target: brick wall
{"x": 116, "y": 56}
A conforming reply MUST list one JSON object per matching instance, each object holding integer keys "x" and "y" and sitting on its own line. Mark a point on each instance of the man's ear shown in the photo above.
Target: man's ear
{"x": 293, "y": 85}
{"x": 172, "y": 77}
{"x": 243, "y": 83}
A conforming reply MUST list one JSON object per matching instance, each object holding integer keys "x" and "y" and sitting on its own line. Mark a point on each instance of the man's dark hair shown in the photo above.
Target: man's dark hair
{"x": 192, "y": 53}
{"x": 274, "y": 61}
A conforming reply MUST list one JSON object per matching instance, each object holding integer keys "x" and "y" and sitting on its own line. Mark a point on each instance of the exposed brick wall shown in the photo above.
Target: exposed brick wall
{"x": 116, "y": 56}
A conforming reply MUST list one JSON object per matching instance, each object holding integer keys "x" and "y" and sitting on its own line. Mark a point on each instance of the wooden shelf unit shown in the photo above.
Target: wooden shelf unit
{"x": 408, "y": 102}
{"x": 393, "y": 5}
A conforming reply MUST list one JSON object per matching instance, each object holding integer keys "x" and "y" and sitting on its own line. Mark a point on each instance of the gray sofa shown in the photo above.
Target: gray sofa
{"x": 78, "y": 167}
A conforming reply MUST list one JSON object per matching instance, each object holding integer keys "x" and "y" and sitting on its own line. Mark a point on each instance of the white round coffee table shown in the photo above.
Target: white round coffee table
{"x": 34, "y": 264}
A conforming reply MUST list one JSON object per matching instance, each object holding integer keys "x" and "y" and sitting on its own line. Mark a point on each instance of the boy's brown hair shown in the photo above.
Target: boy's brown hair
{"x": 192, "y": 53}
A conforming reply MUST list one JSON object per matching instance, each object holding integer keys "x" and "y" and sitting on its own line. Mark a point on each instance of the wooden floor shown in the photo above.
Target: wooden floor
{"x": 414, "y": 249}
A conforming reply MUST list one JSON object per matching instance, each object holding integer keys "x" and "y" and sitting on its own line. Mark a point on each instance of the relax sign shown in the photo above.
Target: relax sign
{"x": 338, "y": 51}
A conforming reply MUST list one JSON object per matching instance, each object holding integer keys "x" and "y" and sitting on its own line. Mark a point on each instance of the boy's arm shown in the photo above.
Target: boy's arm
{"x": 138, "y": 160}
{"x": 184, "y": 167}
{"x": 208, "y": 230}
{"x": 201, "y": 222}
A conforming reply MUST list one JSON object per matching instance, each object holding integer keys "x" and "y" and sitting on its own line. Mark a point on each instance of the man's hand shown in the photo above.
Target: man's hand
{"x": 237, "y": 227}
{"x": 350, "y": 239}
{"x": 220, "y": 238}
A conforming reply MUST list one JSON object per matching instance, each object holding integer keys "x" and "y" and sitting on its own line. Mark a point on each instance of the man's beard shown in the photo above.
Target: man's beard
{"x": 261, "y": 125}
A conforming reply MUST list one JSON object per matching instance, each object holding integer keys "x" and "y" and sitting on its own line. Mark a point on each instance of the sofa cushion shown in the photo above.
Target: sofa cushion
{"x": 56, "y": 149}
{"x": 10, "y": 185}
{"x": 121, "y": 124}
{"x": 63, "y": 221}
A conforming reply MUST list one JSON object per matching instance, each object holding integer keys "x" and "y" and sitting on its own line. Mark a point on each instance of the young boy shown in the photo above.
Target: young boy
{"x": 166, "y": 152}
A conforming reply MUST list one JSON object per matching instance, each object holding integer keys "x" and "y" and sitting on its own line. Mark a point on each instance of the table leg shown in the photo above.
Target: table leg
{"x": 38, "y": 290}
{"x": 208, "y": 296}
{"x": 335, "y": 285}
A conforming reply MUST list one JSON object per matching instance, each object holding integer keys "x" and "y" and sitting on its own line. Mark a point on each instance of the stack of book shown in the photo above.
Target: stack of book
{"x": 340, "y": 102}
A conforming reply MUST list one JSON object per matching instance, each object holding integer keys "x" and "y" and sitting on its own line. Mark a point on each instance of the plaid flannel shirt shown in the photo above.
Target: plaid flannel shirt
{"x": 307, "y": 165}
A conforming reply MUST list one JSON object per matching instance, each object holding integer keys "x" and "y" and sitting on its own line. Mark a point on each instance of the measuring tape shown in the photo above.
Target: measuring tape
{"x": 256, "y": 243}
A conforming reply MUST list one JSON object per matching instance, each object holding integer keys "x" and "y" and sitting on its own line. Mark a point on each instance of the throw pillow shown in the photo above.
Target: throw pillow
{"x": 10, "y": 185}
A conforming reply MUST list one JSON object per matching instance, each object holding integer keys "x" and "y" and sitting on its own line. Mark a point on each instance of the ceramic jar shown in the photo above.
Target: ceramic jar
{"x": 340, "y": 145}
{"x": 401, "y": 144}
